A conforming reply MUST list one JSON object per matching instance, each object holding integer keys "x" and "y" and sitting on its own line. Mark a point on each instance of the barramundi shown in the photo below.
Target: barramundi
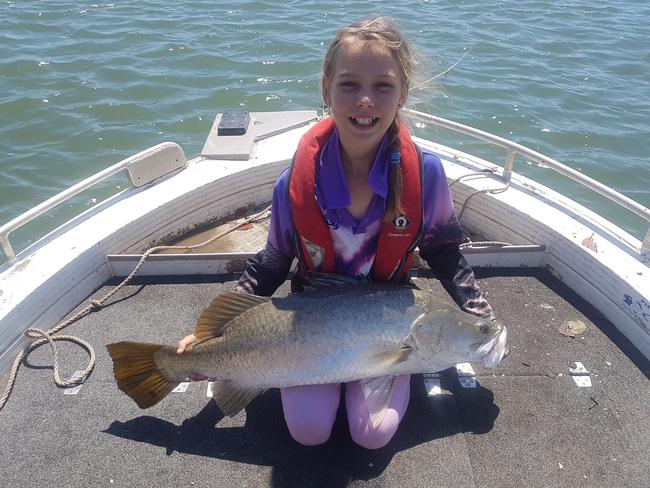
{"x": 364, "y": 331}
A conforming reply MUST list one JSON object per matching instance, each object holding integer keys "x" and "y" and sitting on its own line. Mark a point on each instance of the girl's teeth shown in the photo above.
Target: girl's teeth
{"x": 363, "y": 121}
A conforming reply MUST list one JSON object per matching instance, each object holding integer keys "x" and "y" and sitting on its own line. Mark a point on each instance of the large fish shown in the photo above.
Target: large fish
{"x": 365, "y": 331}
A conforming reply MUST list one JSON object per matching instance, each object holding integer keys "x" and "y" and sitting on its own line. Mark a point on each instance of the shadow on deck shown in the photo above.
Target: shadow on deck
{"x": 526, "y": 424}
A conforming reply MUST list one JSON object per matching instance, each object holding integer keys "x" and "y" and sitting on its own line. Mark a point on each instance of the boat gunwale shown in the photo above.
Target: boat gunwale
{"x": 513, "y": 150}
{"x": 154, "y": 207}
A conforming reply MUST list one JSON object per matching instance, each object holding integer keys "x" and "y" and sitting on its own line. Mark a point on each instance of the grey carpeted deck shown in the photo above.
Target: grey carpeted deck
{"x": 527, "y": 423}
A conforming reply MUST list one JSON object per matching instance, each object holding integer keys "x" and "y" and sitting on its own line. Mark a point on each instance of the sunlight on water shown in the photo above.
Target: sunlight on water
{"x": 86, "y": 85}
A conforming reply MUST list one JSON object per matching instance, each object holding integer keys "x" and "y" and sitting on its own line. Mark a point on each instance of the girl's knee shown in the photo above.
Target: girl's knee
{"x": 310, "y": 435}
{"x": 373, "y": 438}
{"x": 361, "y": 428}
{"x": 310, "y": 411}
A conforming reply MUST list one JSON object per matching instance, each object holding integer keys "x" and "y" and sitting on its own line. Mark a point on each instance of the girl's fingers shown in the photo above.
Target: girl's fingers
{"x": 181, "y": 346}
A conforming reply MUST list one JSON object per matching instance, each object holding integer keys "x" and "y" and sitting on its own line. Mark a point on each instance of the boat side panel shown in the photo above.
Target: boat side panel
{"x": 593, "y": 257}
{"x": 52, "y": 277}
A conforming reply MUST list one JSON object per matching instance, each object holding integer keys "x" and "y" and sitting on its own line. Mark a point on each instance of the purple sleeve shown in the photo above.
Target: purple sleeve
{"x": 268, "y": 269}
{"x": 281, "y": 227}
{"x": 442, "y": 236}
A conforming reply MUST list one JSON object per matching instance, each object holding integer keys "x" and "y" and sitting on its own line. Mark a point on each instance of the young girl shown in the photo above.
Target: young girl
{"x": 358, "y": 199}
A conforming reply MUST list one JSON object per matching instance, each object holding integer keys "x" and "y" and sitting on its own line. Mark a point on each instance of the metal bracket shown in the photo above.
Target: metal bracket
{"x": 507, "y": 167}
{"x": 153, "y": 163}
{"x": 466, "y": 375}
{"x": 581, "y": 376}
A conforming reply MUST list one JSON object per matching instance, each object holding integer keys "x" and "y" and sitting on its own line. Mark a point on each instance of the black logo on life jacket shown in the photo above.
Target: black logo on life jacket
{"x": 401, "y": 222}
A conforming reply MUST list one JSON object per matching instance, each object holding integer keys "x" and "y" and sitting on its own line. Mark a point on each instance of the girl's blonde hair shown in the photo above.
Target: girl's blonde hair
{"x": 383, "y": 32}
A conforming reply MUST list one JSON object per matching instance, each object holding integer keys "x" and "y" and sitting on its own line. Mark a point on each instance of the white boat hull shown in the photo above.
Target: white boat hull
{"x": 598, "y": 260}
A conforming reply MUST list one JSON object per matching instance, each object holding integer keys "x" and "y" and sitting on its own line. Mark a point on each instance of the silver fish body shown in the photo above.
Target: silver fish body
{"x": 336, "y": 335}
{"x": 363, "y": 331}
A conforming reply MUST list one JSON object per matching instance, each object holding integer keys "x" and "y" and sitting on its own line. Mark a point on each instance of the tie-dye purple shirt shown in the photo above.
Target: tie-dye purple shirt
{"x": 355, "y": 241}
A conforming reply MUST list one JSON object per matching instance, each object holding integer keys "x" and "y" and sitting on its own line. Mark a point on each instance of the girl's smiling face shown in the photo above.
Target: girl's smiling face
{"x": 364, "y": 93}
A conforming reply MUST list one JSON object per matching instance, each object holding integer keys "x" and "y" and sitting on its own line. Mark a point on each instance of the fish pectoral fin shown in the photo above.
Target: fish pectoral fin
{"x": 390, "y": 358}
{"x": 232, "y": 398}
{"x": 378, "y": 393}
{"x": 222, "y": 310}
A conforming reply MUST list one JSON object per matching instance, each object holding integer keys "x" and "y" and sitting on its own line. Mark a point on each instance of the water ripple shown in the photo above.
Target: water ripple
{"x": 83, "y": 85}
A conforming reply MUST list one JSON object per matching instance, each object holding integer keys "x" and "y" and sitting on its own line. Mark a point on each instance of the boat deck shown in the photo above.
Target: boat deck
{"x": 525, "y": 424}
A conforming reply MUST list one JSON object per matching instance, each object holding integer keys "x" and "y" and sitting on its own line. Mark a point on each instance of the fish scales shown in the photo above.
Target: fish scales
{"x": 329, "y": 335}
{"x": 315, "y": 337}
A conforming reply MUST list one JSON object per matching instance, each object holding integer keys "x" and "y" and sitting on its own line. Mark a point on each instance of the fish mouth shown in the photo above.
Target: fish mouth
{"x": 494, "y": 350}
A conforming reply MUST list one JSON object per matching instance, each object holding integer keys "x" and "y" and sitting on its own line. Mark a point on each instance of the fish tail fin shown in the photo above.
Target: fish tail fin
{"x": 137, "y": 374}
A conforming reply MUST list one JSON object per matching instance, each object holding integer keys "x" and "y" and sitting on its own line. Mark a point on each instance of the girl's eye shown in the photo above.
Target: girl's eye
{"x": 353, "y": 85}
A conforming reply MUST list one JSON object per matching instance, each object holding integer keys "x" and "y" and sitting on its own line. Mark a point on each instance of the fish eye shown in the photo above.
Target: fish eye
{"x": 485, "y": 329}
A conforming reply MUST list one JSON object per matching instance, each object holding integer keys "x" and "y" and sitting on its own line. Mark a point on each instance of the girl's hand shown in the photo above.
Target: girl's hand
{"x": 184, "y": 342}
{"x": 181, "y": 346}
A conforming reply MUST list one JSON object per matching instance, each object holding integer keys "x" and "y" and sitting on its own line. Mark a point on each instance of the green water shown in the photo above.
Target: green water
{"x": 84, "y": 85}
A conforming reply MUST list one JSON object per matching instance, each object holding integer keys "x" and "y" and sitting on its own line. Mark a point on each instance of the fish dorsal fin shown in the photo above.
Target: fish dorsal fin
{"x": 232, "y": 398}
{"x": 222, "y": 310}
{"x": 378, "y": 393}
{"x": 317, "y": 281}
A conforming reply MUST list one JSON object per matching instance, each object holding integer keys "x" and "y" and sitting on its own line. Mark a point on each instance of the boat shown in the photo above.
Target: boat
{"x": 567, "y": 407}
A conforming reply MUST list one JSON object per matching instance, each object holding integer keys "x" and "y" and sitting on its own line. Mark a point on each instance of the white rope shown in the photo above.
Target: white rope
{"x": 477, "y": 192}
{"x": 48, "y": 337}
{"x": 486, "y": 173}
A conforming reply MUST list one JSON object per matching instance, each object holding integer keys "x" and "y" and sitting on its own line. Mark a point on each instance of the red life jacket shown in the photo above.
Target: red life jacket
{"x": 312, "y": 238}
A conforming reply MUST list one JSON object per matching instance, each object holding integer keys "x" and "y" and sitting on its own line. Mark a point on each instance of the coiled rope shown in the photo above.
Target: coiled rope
{"x": 48, "y": 337}
{"x": 486, "y": 173}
